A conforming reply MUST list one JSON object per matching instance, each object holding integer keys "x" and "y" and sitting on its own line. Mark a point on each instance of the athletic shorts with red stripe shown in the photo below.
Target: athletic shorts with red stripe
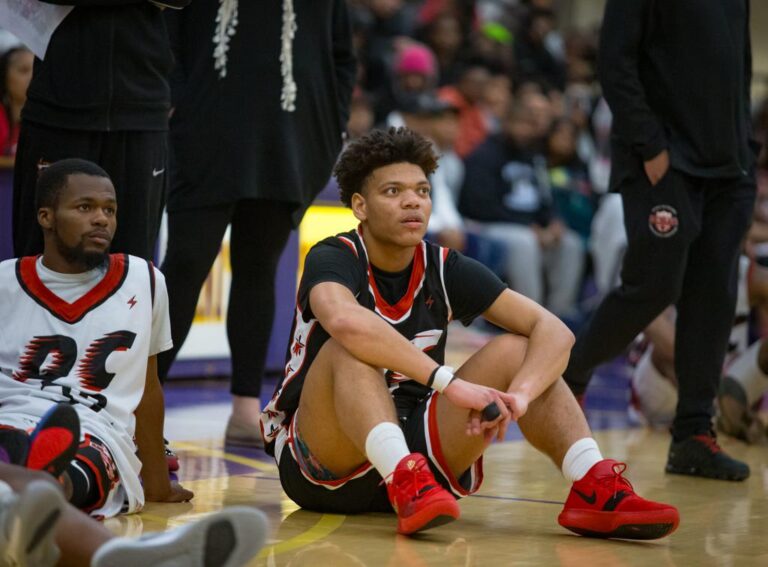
{"x": 363, "y": 490}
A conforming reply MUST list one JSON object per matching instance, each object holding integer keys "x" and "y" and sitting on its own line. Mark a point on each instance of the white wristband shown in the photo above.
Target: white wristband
{"x": 440, "y": 378}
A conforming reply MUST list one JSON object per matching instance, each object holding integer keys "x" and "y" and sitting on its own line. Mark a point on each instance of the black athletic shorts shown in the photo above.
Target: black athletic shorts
{"x": 363, "y": 490}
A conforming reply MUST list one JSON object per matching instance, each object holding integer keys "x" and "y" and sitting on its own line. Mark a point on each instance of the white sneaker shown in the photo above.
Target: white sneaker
{"x": 27, "y": 525}
{"x": 227, "y": 538}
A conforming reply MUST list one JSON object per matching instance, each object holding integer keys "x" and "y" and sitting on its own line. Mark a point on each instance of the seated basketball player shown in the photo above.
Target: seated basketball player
{"x": 366, "y": 396}
{"x": 83, "y": 327}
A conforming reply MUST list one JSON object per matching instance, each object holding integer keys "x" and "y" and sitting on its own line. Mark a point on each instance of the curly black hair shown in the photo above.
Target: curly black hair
{"x": 380, "y": 148}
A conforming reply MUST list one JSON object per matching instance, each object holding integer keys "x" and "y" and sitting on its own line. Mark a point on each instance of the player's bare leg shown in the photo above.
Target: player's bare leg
{"x": 342, "y": 400}
{"x": 230, "y": 537}
{"x": 77, "y": 536}
{"x": 551, "y": 431}
{"x": 346, "y": 417}
{"x": 601, "y": 503}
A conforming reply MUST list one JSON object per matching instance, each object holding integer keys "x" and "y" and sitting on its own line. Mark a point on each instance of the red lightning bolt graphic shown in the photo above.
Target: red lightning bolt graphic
{"x": 132, "y": 301}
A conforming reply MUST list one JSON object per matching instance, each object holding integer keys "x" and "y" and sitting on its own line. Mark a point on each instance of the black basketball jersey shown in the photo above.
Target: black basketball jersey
{"x": 421, "y": 315}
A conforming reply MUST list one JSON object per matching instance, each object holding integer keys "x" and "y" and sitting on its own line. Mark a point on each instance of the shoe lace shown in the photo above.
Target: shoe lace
{"x": 619, "y": 480}
{"x": 710, "y": 442}
{"x": 410, "y": 482}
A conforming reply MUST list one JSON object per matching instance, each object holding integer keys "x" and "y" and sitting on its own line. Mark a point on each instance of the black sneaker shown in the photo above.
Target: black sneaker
{"x": 700, "y": 455}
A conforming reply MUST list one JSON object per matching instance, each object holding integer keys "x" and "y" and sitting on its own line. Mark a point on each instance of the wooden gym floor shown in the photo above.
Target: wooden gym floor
{"x": 512, "y": 520}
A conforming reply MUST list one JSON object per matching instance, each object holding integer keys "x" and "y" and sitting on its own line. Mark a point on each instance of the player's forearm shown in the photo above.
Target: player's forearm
{"x": 372, "y": 340}
{"x": 150, "y": 415}
{"x": 546, "y": 357}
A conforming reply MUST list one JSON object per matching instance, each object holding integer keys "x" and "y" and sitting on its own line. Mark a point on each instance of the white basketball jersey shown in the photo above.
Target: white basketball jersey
{"x": 91, "y": 349}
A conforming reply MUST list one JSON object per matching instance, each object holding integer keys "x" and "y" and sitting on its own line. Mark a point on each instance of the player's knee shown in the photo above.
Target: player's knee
{"x": 514, "y": 347}
{"x": 341, "y": 359}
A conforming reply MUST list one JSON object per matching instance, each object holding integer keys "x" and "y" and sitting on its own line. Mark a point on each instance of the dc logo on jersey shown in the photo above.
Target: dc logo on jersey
{"x": 62, "y": 353}
{"x": 663, "y": 221}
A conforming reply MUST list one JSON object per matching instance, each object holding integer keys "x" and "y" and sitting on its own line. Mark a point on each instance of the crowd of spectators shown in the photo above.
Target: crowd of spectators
{"x": 511, "y": 100}
{"x": 513, "y": 105}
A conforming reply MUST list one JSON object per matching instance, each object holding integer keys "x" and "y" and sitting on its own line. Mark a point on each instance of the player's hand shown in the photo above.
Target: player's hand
{"x": 175, "y": 493}
{"x": 475, "y": 398}
{"x": 656, "y": 168}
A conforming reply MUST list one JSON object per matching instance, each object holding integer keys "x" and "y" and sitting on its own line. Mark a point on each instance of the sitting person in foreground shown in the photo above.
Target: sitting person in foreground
{"x": 82, "y": 327}
{"x": 366, "y": 397}
{"x": 39, "y": 529}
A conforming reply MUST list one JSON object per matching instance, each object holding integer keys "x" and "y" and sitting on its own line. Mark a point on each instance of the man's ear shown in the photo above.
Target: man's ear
{"x": 45, "y": 217}
{"x": 358, "y": 206}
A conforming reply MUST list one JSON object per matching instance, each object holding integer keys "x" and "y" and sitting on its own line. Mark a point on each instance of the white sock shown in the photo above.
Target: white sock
{"x": 385, "y": 446}
{"x": 582, "y": 456}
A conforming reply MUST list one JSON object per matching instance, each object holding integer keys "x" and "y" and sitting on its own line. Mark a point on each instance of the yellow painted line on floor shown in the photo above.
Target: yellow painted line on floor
{"x": 164, "y": 520}
{"x": 324, "y": 527}
{"x": 192, "y": 448}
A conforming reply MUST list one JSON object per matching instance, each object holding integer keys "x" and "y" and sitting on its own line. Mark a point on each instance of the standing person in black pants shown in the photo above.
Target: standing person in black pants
{"x": 257, "y": 126}
{"x": 677, "y": 77}
{"x": 101, "y": 94}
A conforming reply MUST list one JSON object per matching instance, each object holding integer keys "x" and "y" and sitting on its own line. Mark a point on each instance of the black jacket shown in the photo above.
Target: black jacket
{"x": 503, "y": 183}
{"x": 231, "y": 139}
{"x": 677, "y": 76}
{"x": 106, "y": 69}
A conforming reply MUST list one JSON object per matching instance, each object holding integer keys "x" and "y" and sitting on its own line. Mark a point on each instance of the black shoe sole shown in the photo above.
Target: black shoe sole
{"x": 693, "y": 471}
{"x": 62, "y": 416}
{"x": 629, "y": 531}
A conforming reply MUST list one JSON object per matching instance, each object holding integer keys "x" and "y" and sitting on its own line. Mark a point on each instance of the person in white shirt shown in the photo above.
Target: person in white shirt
{"x": 83, "y": 327}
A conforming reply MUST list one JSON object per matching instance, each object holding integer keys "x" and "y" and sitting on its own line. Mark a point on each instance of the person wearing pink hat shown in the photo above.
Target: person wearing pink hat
{"x": 414, "y": 72}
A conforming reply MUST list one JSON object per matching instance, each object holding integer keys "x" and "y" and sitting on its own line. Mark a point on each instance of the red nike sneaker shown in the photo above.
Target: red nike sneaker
{"x": 419, "y": 500}
{"x": 604, "y": 504}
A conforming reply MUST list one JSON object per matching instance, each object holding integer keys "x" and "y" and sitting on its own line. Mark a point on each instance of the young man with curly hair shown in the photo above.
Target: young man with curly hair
{"x": 366, "y": 395}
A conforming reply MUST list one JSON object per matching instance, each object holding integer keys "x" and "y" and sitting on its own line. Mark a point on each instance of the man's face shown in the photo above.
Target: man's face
{"x": 445, "y": 129}
{"x": 473, "y": 83}
{"x": 385, "y": 9}
{"x": 540, "y": 109}
{"x": 413, "y": 82}
{"x": 83, "y": 222}
{"x": 19, "y": 75}
{"x": 395, "y": 204}
{"x": 521, "y": 128}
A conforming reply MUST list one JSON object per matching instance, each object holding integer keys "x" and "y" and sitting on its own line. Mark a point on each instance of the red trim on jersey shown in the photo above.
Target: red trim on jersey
{"x": 445, "y": 252}
{"x": 26, "y": 273}
{"x": 396, "y": 311}
{"x": 349, "y": 243}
